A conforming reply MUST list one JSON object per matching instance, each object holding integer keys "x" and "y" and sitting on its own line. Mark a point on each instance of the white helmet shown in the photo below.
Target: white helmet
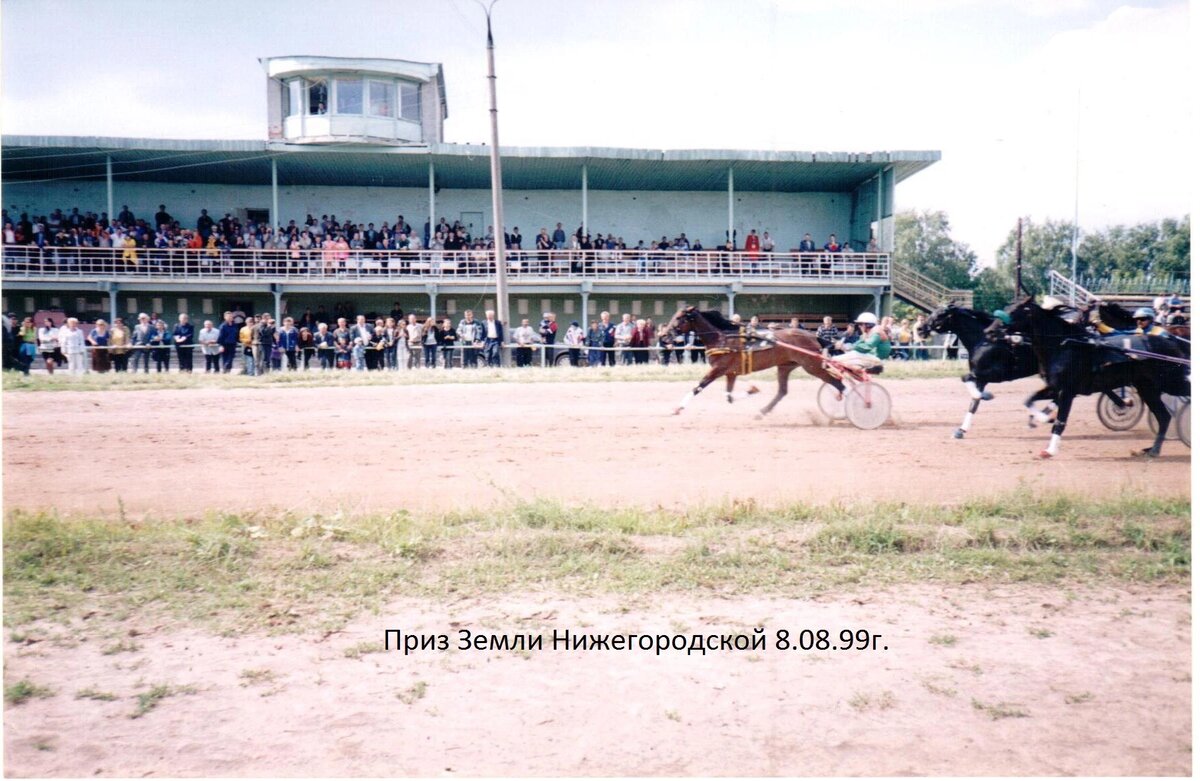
{"x": 868, "y": 318}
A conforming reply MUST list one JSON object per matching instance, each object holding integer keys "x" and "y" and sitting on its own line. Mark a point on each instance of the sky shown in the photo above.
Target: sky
{"x": 1011, "y": 92}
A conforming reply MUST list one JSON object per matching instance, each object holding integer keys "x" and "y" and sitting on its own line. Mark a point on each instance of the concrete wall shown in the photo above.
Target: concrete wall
{"x": 634, "y": 215}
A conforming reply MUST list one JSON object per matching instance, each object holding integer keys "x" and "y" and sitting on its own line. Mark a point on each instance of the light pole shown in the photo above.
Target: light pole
{"x": 1075, "y": 230}
{"x": 497, "y": 205}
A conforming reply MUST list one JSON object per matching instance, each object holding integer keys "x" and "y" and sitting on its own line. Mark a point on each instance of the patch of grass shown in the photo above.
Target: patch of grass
{"x": 288, "y": 572}
{"x": 25, "y": 690}
{"x": 1077, "y": 699}
{"x": 149, "y": 700}
{"x": 359, "y": 650}
{"x": 413, "y": 693}
{"x": 1040, "y": 632}
{"x": 1001, "y": 710}
{"x": 122, "y": 646}
{"x": 937, "y": 688}
{"x": 943, "y": 640}
{"x": 129, "y": 381}
{"x": 92, "y": 693}
{"x": 256, "y": 677}
{"x": 860, "y": 701}
{"x": 43, "y": 745}
{"x": 673, "y": 715}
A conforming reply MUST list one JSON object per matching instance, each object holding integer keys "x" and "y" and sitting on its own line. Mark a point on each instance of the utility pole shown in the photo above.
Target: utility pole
{"x": 1017, "y": 292}
{"x": 497, "y": 205}
{"x": 1075, "y": 231}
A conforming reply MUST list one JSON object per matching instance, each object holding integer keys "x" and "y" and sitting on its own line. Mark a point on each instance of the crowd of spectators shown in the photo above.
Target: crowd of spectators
{"x": 259, "y": 345}
{"x": 213, "y": 242}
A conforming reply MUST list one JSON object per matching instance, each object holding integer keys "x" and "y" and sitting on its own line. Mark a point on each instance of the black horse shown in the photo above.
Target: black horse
{"x": 989, "y": 361}
{"x": 1074, "y": 362}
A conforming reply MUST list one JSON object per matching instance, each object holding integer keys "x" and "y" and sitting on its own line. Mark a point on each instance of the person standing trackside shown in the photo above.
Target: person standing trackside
{"x": 208, "y": 337}
{"x": 142, "y": 333}
{"x": 574, "y": 340}
{"x": 118, "y": 341}
{"x": 246, "y": 340}
{"x": 227, "y": 338}
{"x": 289, "y": 341}
{"x": 493, "y": 337}
{"x": 184, "y": 337}
{"x": 470, "y": 334}
{"x": 264, "y": 334}
{"x": 74, "y": 347}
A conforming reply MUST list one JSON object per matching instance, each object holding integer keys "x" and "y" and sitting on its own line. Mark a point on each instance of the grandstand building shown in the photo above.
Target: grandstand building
{"x": 362, "y": 140}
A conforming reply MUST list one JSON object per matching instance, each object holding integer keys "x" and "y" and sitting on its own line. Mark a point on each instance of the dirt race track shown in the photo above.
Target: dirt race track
{"x": 979, "y": 679}
{"x": 432, "y": 447}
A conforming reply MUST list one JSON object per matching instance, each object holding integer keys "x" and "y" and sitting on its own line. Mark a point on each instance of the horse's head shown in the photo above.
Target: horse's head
{"x": 937, "y": 322}
{"x": 1016, "y": 322}
{"x": 683, "y": 321}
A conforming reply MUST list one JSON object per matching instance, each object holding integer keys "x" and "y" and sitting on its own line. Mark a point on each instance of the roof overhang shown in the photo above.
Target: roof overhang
{"x": 456, "y": 166}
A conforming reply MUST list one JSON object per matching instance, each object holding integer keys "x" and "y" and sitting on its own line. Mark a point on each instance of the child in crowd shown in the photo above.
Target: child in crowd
{"x": 342, "y": 352}
{"x": 360, "y": 355}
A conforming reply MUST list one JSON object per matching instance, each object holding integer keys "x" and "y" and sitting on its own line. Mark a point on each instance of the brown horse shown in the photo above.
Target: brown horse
{"x": 725, "y": 347}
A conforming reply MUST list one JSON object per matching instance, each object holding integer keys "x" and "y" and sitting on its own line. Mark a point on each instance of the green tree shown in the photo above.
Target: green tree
{"x": 1045, "y": 247}
{"x": 992, "y": 290}
{"x": 922, "y": 240}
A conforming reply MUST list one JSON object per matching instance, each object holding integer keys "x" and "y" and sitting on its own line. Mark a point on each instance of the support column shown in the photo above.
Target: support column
{"x": 585, "y": 189}
{"x": 433, "y": 291}
{"x": 275, "y": 221}
{"x": 879, "y": 209}
{"x": 112, "y": 302}
{"x": 277, "y": 291}
{"x": 731, "y": 295}
{"x": 432, "y": 220}
{"x": 108, "y": 181}
{"x": 730, "y": 233}
{"x": 583, "y": 313}
{"x": 877, "y": 295}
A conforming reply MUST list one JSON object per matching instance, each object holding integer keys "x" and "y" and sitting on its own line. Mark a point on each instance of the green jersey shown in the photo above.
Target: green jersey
{"x": 874, "y": 344}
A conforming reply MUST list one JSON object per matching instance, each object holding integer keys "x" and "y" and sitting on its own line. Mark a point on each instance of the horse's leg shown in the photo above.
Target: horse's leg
{"x": 1065, "y": 399}
{"x": 713, "y": 373}
{"x": 976, "y": 388}
{"x": 782, "y": 373}
{"x": 1120, "y": 402}
{"x": 1158, "y": 409}
{"x": 962, "y": 430}
{"x": 1039, "y": 415}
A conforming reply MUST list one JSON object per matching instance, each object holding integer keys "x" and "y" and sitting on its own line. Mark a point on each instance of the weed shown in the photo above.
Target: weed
{"x": 1076, "y": 699}
{"x": 120, "y": 647}
{"x": 24, "y": 690}
{"x": 149, "y": 700}
{"x": 256, "y": 676}
{"x": 673, "y": 715}
{"x": 412, "y": 693}
{"x": 360, "y": 650}
{"x": 1001, "y": 710}
{"x": 92, "y": 693}
{"x": 944, "y": 640}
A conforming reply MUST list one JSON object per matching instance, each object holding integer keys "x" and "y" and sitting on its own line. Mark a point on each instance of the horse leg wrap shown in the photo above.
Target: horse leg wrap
{"x": 966, "y": 425}
{"x": 1052, "y": 449}
{"x": 686, "y": 400}
{"x": 973, "y": 389}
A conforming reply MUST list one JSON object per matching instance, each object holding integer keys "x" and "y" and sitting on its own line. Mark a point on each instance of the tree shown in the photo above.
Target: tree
{"x": 922, "y": 241}
{"x": 1045, "y": 247}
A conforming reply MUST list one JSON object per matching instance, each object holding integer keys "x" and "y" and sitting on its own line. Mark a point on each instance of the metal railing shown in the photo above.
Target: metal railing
{"x": 908, "y": 283}
{"x": 29, "y": 262}
{"x": 1063, "y": 288}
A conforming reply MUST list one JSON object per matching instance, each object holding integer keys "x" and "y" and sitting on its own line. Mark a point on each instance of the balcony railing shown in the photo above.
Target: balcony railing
{"x": 23, "y": 262}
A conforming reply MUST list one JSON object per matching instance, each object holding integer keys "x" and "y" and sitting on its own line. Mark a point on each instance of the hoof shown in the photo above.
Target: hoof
{"x": 759, "y": 416}
{"x": 753, "y": 389}
{"x": 677, "y": 411}
{"x": 729, "y": 398}
{"x": 1031, "y": 423}
{"x": 1045, "y": 454}
{"x": 959, "y": 433}
{"x": 1147, "y": 453}
{"x": 986, "y": 396}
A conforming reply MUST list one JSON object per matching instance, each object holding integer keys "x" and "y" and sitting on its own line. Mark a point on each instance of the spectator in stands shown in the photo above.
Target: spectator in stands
{"x": 493, "y": 337}
{"x": 307, "y": 345}
{"x": 208, "y": 339}
{"x": 140, "y": 340}
{"x": 429, "y": 342}
{"x": 918, "y": 342}
{"x": 324, "y": 342}
{"x": 227, "y": 339}
{"x": 560, "y": 236}
{"x": 574, "y": 339}
{"x": 289, "y": 341}
{"x": 160, "y": 346}
{"x": 413, "y": 333}
{"x": 447, "y": 336}
{"x": 768, "y": 243}
{"x": 832, "y": 245}
{"x": 637, "y": 343}
{"x": 872, "y": 246}
{"x": 98, "y": 339}
{"x": 548, "y": 328}
{"x": 524, "y": 337}
{"x": 74, "y": 346}
{"x": 623, "y": 336}
{"x": 183, "y": 337}
{"x": 752, "y": 242}
{"x": 49, "y": 345}
{"x": 807, "y": 244}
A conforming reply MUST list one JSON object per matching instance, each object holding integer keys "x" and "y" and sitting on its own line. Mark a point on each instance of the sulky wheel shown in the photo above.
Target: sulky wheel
{"x": 868, "y": 405}
{"x": 1116, "y": 417}
{"x": 1183, "y": 423}
{"x": 830, "y": 405}
{"x": 1174, "y": 405}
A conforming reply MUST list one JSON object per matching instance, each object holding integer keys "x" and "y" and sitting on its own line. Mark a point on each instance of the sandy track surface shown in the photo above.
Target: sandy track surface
{"x": 1024, "y": 681}
{"x": 430, "y": 447}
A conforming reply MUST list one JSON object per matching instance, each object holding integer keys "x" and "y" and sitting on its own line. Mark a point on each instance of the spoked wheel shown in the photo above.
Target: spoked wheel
{"x": 1175, "y": 405}
{"x": 1117, "y": 417}
{"x": 868, "y": 405}
{"x": 833, "y": 407}
{"x": 1183, "y": 423}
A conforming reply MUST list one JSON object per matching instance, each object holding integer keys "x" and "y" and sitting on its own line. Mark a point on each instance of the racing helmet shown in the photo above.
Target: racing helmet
{"x": 868, "y": 318}
{"x": 1143, "y": 312}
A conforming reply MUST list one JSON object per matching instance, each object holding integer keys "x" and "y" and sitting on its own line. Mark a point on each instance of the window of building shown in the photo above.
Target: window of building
{"x": 451, "y": 306}
{"x": 568, "y": 306}
{"x": 382, "y": 101}
{"x": 206, "y": 306}
{"x": 704, "y": 306}
{"x": 522, "y": 306}
{"x": 349, "y": 96}
{"x": 80, "y": 305}
{"x": 156, "y": 306}
{"x": 410, "y": 101}
{"x": 636, "y": 307}
{"x": 318, "y": 96}
{"x": 545, "y": 305}
{"x": 55, "y": 301}
{"x": 489, "y": 303}
{"x": 658, "y": 308}
{"x": 181, "y": 306}
{"x": 131, "y": 306}
{"x": 593, "y": 306}
{"x": 293, "y": 96}
{"x": 29, "y": 307}
{"x": 614, "y": 308}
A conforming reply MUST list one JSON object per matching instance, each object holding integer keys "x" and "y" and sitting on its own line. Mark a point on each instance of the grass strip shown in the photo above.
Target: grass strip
{"x": 14, "y": 381}
{"x": 286, "y": 573}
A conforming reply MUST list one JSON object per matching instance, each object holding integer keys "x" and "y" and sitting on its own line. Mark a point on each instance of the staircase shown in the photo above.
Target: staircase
{"x": 1061, "y": 288}
{"x": 923, "y": 292}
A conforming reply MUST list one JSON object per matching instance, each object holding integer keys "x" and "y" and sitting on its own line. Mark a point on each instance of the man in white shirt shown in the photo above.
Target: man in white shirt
{"x": 208, "y": 345}
{"x": 493, "y": 337}
{"x": 524, "y": 336}
{"x": 622, "y": 336}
